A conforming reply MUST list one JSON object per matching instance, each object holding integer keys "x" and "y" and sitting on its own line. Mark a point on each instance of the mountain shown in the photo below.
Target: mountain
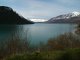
{"x": 73, "y": 17}
{"x": 38, "y": 20}
{"x": 8, "y": 16}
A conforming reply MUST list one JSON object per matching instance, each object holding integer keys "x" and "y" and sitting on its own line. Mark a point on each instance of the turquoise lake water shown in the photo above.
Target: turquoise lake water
{"x": 35, "y": 33}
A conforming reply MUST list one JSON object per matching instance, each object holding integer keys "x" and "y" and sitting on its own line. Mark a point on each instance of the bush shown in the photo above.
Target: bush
{"x": 71, "y": 54}
{"x": 13, "y": 46}
{"x": 63, "y": 41}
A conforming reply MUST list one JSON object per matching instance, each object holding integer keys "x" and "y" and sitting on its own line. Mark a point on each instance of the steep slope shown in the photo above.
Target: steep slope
{"x": 73, "y": 17}
{"x": 8, "y": 16}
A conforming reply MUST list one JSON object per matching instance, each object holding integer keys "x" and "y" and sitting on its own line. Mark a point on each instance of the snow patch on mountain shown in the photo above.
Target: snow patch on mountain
{"x": 38, "y": 20}
{"x": 66, "y": 16}
{"x": 75, "y": 13}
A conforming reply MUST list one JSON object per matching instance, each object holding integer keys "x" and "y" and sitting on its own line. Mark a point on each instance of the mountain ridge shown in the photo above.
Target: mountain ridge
{"x": 73, "y": 17}
{"x": 9, "y": 16}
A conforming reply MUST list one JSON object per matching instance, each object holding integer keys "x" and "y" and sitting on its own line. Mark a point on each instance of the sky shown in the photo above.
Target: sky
{"x": 42, "y": 9}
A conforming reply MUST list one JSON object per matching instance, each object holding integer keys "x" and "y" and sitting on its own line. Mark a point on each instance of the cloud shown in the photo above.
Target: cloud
{"x": 42, "y": 8}
{"x": 71, "y": 3}
{"x": 68, "y": 1}
{"x": 38, "y": 9}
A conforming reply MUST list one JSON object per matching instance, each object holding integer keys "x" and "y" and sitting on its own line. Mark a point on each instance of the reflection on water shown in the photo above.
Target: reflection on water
{"x": 7, "y": 30}
{"x": 36, "y": 33}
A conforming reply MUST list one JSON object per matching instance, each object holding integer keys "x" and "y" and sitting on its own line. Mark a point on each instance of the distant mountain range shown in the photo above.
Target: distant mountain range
{"x": 38, "y": 20}
{"x": 73, "y": 17}
{"x": 8, "y": 16}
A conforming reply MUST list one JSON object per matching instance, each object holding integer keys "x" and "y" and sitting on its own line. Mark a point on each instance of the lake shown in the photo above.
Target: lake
{"x": 35, "y": 33}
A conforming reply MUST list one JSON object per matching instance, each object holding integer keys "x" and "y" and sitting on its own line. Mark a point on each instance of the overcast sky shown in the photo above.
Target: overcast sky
{"x": 45, "y": 9}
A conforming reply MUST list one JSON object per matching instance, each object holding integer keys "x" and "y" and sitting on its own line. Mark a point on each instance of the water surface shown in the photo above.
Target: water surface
{"x": 35, "y": 33}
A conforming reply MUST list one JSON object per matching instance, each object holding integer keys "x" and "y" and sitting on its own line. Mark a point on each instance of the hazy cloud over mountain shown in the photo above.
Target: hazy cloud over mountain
{"x": 42, "y": 8}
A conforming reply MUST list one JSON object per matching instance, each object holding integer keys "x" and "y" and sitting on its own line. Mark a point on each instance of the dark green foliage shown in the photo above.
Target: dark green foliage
{"x": 78, "y": 26}
{"x": 71, "y": 54}
{"x": 17, "y": 57}
{"x": 32, "y": 56}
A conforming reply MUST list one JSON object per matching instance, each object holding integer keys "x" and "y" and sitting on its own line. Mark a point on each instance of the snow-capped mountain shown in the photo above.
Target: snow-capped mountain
{"x": 38, "y": 20}
{"x": 75, "y": 13}
{"x": 65, "y": 18}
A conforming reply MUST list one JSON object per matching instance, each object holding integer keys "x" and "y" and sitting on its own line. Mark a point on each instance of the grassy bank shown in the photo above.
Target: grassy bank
{"x": 69, "y": 54}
